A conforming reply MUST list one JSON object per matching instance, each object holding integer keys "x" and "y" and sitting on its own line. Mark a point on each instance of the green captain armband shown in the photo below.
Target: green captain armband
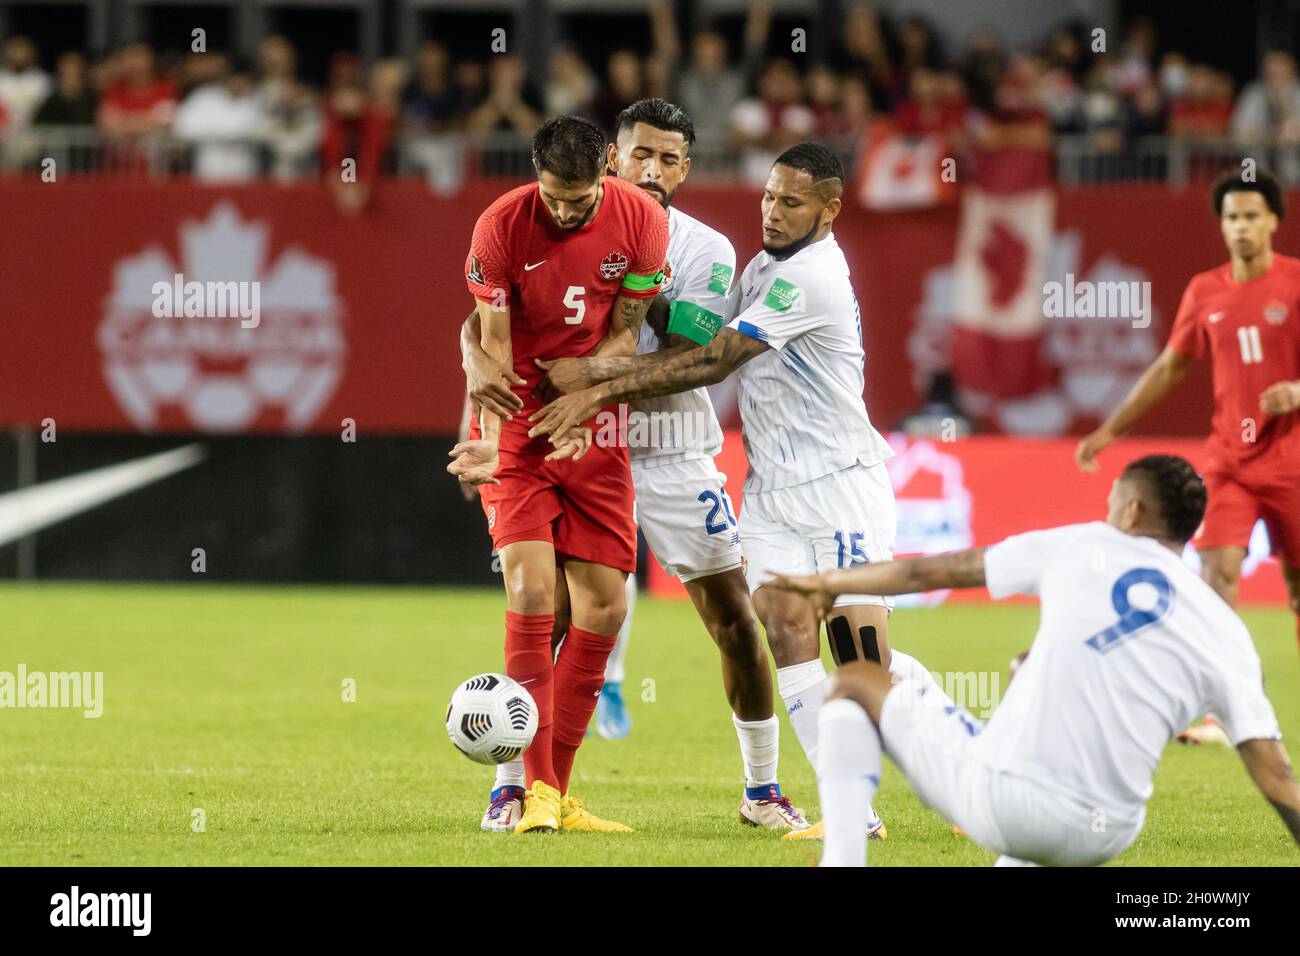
{"x": 635, "y": 283}
{"x": 691, "y": 322}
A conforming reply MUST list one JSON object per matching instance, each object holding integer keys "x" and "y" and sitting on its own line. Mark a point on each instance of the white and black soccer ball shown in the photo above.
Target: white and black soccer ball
{"x": 491, "y": 718}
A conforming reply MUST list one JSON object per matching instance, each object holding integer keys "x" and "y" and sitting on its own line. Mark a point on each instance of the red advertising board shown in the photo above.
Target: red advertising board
{"x": 977, "y": 491}
{"x": 359, "y": 317}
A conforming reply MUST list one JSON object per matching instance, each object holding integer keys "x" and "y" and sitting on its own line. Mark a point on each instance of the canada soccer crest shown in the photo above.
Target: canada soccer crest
{"x": 1275, "y": 312}
{"x": 613, "y": 266}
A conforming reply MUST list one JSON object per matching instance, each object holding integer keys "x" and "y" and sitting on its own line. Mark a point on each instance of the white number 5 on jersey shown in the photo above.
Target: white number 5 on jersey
{"x": 573, "y": 300}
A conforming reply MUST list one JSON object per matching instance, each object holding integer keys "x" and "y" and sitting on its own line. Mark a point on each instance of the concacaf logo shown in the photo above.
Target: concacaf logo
{"x": 214, "y": 374}
{"x": 613, "y": 266}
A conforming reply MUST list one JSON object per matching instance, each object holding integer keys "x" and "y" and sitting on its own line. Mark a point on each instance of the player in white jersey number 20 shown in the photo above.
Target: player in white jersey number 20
{"x": 818, "y": 495}
{"x": 1132, "y": 647}
{"x": 681, "y": 501}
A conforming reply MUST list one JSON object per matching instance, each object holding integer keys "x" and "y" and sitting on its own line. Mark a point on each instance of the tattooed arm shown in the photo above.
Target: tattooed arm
{"x": 956, "y": 569}
{"x": 649, "y": 377}
{"x": 1270, "y": 769}
{"x": 624, "y": 326}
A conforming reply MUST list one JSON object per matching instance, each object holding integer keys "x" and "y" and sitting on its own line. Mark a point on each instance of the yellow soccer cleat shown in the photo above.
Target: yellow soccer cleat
{"x": 574, "y": 816}
{"x": 818, "y": 832}
{"x": 541, "y": 810}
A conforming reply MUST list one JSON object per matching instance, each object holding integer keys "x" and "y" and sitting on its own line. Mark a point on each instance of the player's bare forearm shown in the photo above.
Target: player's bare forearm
{"x": 624, "y": 326}
{"x": 1270, "y": 769}
{"x": 956, "y": 569}
{"x": 1156, "y": 382}
{"x": 495, "y": 341}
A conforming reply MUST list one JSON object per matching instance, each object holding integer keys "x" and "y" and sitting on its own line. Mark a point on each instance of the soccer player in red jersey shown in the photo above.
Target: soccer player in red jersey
{"x": 565, "y": 266}
{"x": 1245, "y": 318}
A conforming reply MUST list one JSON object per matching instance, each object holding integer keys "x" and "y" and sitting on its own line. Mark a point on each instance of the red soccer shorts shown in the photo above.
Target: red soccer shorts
{"x": 1238, "y": 500}
{"x": 584, "y": 508}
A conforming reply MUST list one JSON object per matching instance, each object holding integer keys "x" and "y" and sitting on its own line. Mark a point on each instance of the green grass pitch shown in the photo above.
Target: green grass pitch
{"x": 229, "y": 701}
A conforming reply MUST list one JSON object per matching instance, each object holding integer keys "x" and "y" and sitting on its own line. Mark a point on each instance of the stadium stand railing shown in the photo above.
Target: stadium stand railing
{"x": 446, "y": 160}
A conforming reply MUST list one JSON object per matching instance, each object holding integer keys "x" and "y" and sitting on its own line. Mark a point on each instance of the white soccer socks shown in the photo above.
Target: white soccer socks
{"x": 803, "y": 687}
{"x": 510, "y": 774}
{"x": 759, "y": 749}
{"x": 850, "y": 773}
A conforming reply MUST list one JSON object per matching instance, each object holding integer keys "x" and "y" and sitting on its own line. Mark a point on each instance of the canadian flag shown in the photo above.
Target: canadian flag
{"x": 901, "y": 171}
{"x": 1002, "y": 247}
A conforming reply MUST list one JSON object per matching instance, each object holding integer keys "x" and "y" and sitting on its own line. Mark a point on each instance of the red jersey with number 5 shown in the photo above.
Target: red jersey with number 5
{"x": 560, "y": 284}
{"x": 1250, "y": 331}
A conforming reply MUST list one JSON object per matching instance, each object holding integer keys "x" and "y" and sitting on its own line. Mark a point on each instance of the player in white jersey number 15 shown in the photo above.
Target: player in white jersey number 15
{"x": 818, "y": 495}
{"x": 1132, "y": 646}
{"x": 681, "y": 502}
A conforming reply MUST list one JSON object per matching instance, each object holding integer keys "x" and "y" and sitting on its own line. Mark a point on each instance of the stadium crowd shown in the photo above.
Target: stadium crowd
{"x": 746, "y": 96}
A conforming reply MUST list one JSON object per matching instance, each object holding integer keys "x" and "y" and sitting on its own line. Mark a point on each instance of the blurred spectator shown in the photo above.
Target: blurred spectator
{"x": 431, "y": 102}
{"x": 1268, "y": 111}
{"x": 623, "y": 87}
{"x": 709, "y": 89}
{"x": 510, "y": 104}
{"x": 982, "y": 67}
{"x": 919, "y": 48}
{"x": 1131, "y": 72}
{"x": 24, "y": 86}
{"x": 471, "y": 85}
{"x": 778, "y": 118}
{"x": 930, "y": 107}
{"x": 222, "y": 118}
{"x": 571, "y": 86}
{"x": 352, "y": 148}
{"x": 1173, "y": 76}
{"x": 387, "y": 80}
{"x": 1063, "y": 53}
{"x": 1103, "y": 110}
{"x": 73, "y": 102}
{"x": 138, "y": 101}
{"x": 863, "y": 52}
{"x": 291, "y": 116}
{"x": 1146, "y": 113}
{"x": 1203, "y": 111}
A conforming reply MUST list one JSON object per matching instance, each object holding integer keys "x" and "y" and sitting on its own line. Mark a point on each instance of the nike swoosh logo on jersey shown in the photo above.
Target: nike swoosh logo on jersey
{"x": 1216, "y": 316}
{"x": 530, "y": 268}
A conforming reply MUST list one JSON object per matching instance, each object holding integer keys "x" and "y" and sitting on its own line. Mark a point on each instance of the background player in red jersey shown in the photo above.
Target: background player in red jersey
{"x": 567, "y": 266}
{"x": 1245, "y": 318}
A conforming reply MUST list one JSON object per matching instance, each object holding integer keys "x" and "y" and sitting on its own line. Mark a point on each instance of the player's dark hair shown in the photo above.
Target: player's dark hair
{"x": 658, "y": 113}
{"x": 570, "y": 148}
{"x": 1264, "y": 183}
{"x": 814, "y": 159}
{"x": 1175, "y": 489}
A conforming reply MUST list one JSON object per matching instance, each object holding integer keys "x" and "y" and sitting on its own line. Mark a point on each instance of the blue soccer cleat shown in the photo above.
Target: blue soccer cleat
{"x": 613, "y": 722}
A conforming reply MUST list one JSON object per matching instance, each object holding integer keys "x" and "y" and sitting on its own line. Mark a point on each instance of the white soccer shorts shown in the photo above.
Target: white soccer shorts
{"x": 687, "y": 518}
{"x": 836, "y": 521}
{"x": 937, "y": 747}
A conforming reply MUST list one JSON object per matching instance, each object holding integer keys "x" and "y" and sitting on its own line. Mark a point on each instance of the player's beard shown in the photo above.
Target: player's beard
{"x": 662, "y": 198}
{"x": 591, "y": 212}
{"x": 785, "y": 252}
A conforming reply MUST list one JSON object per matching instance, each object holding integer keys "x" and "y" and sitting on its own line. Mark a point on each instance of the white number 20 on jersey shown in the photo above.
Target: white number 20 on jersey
{"x": 573, "y": 300}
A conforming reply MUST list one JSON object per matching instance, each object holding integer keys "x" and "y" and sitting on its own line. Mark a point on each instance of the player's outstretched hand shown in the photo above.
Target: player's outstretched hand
{"x": 475, "y": 462}
{"x": 1086, "y": 452}
{"x": 563, "y": 415}
{"x": 811, "y": 586}
{"x": 562, "y": 377}
{"x": 488, "y": 383}
{"x": 1280, "y": 398}
{"x": 573, "y": 445}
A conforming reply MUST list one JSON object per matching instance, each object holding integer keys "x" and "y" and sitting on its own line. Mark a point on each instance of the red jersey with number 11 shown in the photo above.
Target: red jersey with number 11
{"x": 1250, "y": 331}
{"x": 560, "y": 285}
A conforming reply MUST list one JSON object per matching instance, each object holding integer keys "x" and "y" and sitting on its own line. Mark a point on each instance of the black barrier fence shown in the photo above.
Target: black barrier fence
{"x": 379, "y": 510}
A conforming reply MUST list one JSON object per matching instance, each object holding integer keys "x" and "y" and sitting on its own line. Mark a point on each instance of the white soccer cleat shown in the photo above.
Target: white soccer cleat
{"x": 773, "y": 812}
{"x": 504, "y": 811}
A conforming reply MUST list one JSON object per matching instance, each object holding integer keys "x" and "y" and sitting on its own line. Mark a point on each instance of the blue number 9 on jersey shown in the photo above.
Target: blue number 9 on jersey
{"x": 1132, "y": 619}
